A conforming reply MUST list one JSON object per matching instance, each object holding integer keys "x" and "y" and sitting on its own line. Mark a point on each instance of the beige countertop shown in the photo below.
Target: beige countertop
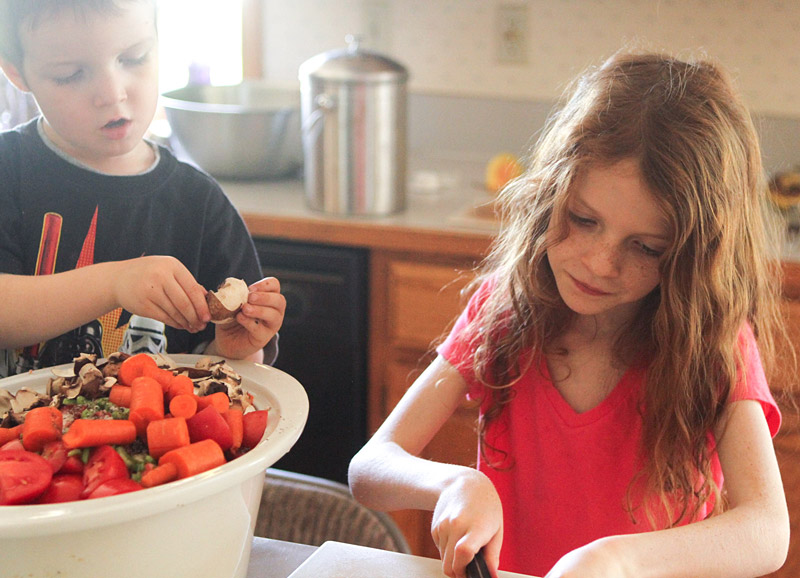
{"x": 445, "y": 209}
{"x": 440, "y": 215}
{"x": 443, "y": 206}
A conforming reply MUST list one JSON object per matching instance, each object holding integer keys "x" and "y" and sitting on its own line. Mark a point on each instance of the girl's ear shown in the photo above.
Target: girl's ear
{"x": 14, "y": 75}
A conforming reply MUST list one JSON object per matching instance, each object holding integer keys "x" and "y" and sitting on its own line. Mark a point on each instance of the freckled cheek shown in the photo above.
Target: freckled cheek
{"x": 644, "y": 278}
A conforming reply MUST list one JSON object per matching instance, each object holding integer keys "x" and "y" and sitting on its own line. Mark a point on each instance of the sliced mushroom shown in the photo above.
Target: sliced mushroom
{"x": 83, "y": 360}
{"x": 5, "y": 401}
{"x": 65, "y": 371}
{"x": 111, "y": 367}
{"x": 90, "y": 379}
{"x": 26, "y": 399}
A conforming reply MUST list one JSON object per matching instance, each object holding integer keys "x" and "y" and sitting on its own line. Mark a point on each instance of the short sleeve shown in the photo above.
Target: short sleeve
{"x": 754, "y": 384}
{"x": 459, "y": 346}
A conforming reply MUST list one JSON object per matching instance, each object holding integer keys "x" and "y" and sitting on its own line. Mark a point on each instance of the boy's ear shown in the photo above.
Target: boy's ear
{"x": 14, "y": 75}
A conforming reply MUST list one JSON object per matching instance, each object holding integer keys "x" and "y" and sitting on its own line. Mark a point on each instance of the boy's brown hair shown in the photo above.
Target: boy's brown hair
{"x": 17, "y": 13}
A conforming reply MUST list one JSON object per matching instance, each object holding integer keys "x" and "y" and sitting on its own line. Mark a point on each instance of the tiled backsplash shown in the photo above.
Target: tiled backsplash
{"x": 449, "y": 48}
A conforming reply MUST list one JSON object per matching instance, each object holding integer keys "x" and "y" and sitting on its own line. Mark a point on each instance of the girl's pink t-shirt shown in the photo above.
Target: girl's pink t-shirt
{"x": 567, "y": 480}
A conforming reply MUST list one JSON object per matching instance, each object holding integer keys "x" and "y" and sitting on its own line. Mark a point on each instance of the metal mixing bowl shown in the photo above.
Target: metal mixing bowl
{"x": 246, "y": 131}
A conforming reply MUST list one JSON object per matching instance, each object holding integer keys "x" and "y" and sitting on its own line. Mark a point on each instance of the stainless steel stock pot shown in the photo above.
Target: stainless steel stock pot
{"x": 354, "y": 116}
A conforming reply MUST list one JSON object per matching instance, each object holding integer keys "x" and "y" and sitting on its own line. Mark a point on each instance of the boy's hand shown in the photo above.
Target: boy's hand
{"x": 258, "y": 322}
{"x": 162, "y": 288}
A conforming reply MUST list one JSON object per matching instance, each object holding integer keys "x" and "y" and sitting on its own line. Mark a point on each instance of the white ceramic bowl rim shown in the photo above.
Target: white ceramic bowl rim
{"x": 269, "y": 386}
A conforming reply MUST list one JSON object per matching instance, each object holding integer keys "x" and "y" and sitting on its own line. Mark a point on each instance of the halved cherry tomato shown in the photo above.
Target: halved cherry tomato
{"x": 253, "y": 425}
{"x": 23, "y": 476}
{"x": 114, "y": 487}
{"x": 13, "y": 445}
{"x": 63, "y": 488}
{"x": 55, "y": 453}
{"x": 104, "y": 464}
{"x": 209, "y": 424}
{"x": 73, "y": 465}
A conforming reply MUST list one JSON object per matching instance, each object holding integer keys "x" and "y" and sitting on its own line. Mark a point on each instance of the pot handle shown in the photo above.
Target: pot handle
{"x": 312, "y": 126}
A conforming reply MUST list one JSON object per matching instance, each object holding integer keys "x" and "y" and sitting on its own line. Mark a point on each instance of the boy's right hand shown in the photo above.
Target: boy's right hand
{"x": 468, "y": 516}
{"x": 162, "y": 288}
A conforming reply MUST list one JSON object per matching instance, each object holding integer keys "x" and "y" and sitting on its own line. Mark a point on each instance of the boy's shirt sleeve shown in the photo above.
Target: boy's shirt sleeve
{"x": 752, "y": 384}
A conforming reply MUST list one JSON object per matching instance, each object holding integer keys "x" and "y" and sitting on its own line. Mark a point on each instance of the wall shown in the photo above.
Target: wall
{"x": 449, "y": 47}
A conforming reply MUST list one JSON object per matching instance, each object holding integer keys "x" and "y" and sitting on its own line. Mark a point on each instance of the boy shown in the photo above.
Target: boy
{"x": 80, "y": 184}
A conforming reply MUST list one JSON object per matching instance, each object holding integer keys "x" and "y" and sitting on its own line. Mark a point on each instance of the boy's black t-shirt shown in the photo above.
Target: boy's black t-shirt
{"x": 56, "y": 216}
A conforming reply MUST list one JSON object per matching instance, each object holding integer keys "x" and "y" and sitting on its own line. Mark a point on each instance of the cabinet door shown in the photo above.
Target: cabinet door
{"x": 455, "y": 443}
{"x": 413, "y": 304}
{"x": 785, "y": 384}
{"x": 424, "y": 299}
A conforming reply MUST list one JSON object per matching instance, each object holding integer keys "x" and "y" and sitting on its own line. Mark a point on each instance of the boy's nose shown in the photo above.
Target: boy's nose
{"x": 110, "y": 89}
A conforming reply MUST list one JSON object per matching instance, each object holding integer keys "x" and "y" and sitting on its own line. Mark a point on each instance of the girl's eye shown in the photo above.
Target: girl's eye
{"x": 648, "y": 251}
{"x": 580, "y": 221}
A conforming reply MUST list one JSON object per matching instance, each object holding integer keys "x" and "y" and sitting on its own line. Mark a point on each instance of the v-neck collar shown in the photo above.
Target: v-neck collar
{"x": 624, "y": 387}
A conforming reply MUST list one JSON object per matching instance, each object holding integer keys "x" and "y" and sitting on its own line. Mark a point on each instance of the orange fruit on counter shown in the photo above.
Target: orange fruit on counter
{"x": 785, "y": 189}
{"x": 502, "y": 168}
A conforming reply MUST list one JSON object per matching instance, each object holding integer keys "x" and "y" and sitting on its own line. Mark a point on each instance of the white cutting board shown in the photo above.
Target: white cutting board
{"x": 338, "y": 560}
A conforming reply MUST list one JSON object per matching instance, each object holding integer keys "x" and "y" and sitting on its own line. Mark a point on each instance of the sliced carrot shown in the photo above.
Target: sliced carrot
{"x": 147, "y": 403}
{"x": 180, "y": 384}
{"x": 133, "y": 367}
{"x": 162, "y": 376}
{"x": 42, "y": 425}
{"x": 194, "y": 458}
{"x": 167, "y": 434}
{"x": 8, "y": 434}
{"x": 219, "y": 400}
{"x": 235, "y": 419}
{"x": 160, "y": 475}
{"x": 120, "y": 395}
{"x": 183, "y": 405}
{"x": 89, "y": 433}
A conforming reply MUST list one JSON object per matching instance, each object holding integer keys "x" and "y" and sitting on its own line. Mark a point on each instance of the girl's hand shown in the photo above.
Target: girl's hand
{"x": 258, "y": 322}
{"x": 598, "y": 559}
{"x": 468, "y": 516}
{"x": 162, "y": 288}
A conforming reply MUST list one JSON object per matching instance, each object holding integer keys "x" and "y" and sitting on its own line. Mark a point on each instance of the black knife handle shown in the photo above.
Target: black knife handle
{"x": 477, "y": 567}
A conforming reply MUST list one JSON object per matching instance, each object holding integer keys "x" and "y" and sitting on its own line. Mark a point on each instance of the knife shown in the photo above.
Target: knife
{"x": 477, "y": 567}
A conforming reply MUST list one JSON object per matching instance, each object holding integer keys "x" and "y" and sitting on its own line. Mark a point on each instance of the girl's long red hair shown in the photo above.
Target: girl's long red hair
{"x": 698, "y": 151}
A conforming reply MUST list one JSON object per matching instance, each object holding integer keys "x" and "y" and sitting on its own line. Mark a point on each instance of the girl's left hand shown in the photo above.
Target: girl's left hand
{"x": 258, "y": 322}
{"x": 598, "y": 559}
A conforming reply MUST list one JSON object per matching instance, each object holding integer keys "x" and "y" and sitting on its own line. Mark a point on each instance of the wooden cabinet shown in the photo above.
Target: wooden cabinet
{"x": 414, "y": 300}
{"x": 416, "y": 277}
{"x": 786, "y": 387}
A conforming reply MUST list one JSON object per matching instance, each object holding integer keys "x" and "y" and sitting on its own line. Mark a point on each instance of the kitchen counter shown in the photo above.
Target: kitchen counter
{"x": 447, "y": 212}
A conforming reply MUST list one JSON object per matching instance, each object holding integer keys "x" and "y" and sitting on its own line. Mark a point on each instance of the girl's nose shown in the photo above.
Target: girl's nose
{"x": 603, "y": 260}
{"x": 110, "y": 89}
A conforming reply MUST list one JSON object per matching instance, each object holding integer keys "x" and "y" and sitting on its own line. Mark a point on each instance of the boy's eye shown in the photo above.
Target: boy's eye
{"x": 74, "y": 77}
{"x": 135, "y": 60}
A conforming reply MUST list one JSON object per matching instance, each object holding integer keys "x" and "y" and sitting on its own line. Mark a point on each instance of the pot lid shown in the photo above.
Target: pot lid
{"x": 353, "y": 64}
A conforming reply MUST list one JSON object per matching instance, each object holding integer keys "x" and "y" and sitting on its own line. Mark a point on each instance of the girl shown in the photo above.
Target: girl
{"x": 611, "y": 344}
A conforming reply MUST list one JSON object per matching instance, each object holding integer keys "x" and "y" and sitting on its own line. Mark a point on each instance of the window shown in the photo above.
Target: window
{"x": 201, "y": 38}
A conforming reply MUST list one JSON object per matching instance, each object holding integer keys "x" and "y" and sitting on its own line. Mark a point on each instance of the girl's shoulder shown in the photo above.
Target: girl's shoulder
{"x": 752, "y": 382}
